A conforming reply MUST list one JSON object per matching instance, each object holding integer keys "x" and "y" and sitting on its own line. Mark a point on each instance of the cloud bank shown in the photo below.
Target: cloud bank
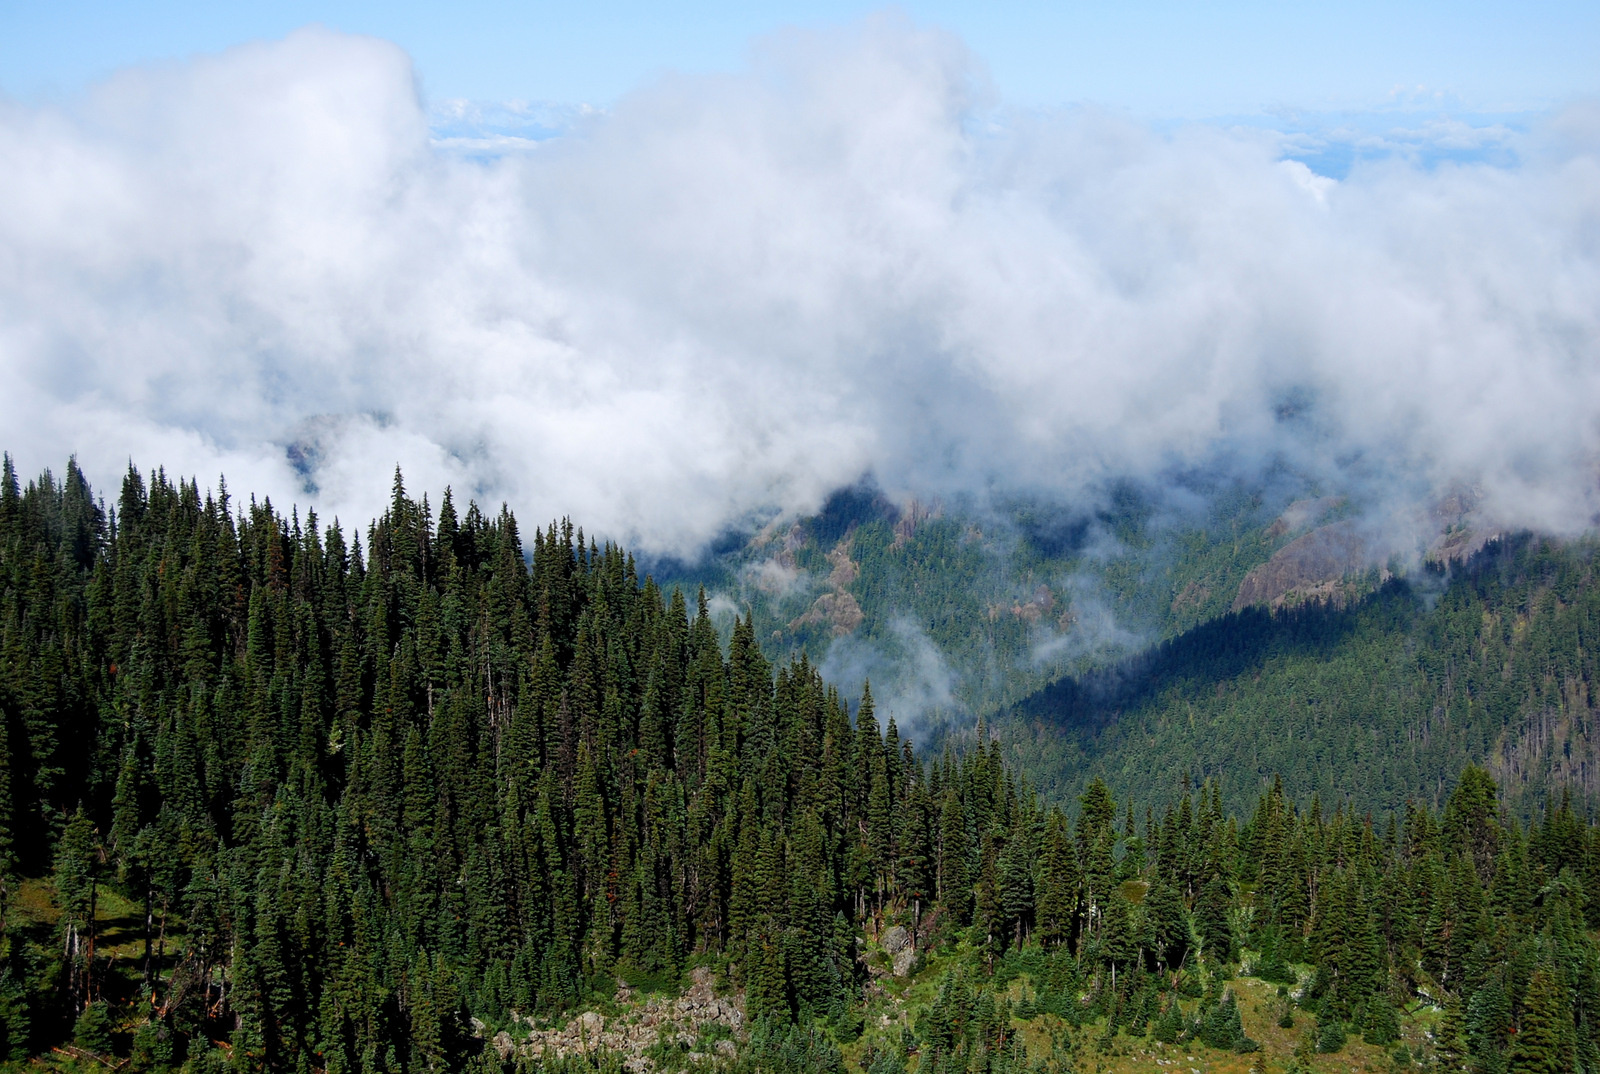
{"x": 729, "y": 295}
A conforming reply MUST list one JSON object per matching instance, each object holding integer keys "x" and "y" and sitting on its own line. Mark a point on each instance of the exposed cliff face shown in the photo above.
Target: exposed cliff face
{"x": 839, "y": 610}
{"x": 845, "y": 570}
{"x": 1461, "y": 532}
{"x": 1314, "y": 565}
{"x": 1459, "y": 544}
{"x": 1310, "y": 567}
{"x": 913, "y": 515}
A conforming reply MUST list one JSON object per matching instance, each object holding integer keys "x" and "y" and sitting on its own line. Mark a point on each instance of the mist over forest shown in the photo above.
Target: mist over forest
{"x": 809, "y": 568}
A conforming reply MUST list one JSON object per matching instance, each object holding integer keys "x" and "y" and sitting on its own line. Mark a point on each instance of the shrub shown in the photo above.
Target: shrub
{"x": 1221, "y": 1027}
{"x": 1381, "y": 1025}
{"x": 1331, "y": 1036}
{"x": 93, "y": 1029}
{"x": 1170, "y": 1026}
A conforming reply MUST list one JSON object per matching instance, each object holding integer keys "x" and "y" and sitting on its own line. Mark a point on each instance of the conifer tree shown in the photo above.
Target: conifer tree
{"x": 1169, "y": 922}
{"x": 1056, "y": 906}
{"x": 1450, "y": 1043}
{"x": 1211, "y": 921}
{"x": 955, "y": 886}
{"x": 382, "y": 784}
{"x": 1544, "y": 1041}
{"x": 77, "y": 880}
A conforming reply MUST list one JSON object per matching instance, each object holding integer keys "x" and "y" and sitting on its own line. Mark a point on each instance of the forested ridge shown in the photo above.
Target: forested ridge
{"x": 1495, "y": 661}
{"x": 1010, "y": 595}
{"x": 369, "y": 802}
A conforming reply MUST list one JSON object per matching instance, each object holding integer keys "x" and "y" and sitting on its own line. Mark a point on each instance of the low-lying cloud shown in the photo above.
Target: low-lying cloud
{"x": 911, "y": 681}
{"x": 726, "y": 296}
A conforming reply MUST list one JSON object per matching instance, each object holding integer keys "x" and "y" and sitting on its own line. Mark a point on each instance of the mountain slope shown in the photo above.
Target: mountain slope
{"x": 275, "y": 798}
{"x": 953, "y": 610}
{"x": 1497, "y": 662}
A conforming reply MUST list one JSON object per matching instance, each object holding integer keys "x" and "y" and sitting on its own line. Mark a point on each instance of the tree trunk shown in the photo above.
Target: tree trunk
{"x": 149, "y": 927}
{"x": 88, "y": 962}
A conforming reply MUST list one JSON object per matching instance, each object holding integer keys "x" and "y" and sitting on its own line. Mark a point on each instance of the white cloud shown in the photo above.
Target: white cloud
{"x": 733, "y": 294}
{"x": 911, "y": 682}
{"x": 775, "y": 578}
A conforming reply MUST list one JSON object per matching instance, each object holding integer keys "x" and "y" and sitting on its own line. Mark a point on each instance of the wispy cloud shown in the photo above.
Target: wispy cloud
{"x": 911, "y": 681}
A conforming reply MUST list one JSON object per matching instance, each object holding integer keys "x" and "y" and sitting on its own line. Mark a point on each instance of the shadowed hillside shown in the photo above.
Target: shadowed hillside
{"x": 1377, "y": 701}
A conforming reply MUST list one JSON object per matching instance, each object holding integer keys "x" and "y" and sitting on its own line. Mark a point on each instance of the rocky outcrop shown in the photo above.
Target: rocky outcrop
{"x": 845, "y": 570}
{"x": 1309, "y": 567}
{"x": 914, "y": 515}
{"x": 1459, "y": 544}
{"x": 1040, "y": 605}
{"x": 1192, "y": 595}
{"x": 902, "y": 952}
{"x": 837, "y": 608}
{"x": 636, "y": 1029}
{"x": 1462, "y": 532}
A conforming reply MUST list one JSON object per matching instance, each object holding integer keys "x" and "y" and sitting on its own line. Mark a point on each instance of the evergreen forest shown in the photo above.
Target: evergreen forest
{"x": 1378, "y": 701}
{"x": 276, "y": 796}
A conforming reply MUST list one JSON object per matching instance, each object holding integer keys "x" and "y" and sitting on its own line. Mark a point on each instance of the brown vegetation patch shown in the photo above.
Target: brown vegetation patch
{"x": 838, "y": 609}
{"x": 914, "y": 515}
{"x": 1192, "y": 595}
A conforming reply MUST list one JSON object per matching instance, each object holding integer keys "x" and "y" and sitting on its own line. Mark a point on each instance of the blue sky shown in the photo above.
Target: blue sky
{"x": 1162, "y": 59}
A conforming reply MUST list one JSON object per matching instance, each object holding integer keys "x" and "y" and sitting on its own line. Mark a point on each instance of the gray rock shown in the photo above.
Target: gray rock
{"x": 896, "y": 940}
{"x": 902, "y": 953}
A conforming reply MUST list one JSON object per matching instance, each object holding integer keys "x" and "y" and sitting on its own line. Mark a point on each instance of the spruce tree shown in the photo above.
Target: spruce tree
{"x": 1211, "y": 921}
{"x": 77, "y": 880}
{"x": 1543, "y": 1043}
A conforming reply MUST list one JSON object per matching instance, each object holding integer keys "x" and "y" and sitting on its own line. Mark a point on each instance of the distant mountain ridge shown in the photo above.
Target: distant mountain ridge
{"x": 1022, "y": 615}
{"x": 1372, "y": 701}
